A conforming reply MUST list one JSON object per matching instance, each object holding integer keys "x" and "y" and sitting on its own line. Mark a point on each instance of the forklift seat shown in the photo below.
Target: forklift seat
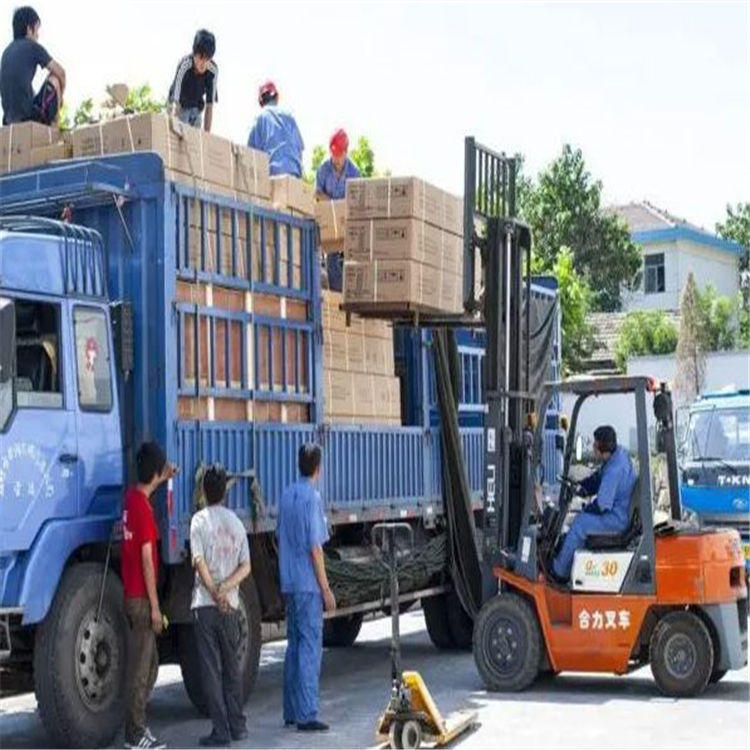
{"x": 623, "y": 539}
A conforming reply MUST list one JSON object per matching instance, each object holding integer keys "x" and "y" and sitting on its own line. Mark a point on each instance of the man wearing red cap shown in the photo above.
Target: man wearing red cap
{"x": 334, "y": 172}
{"x": 275, "y": 131}
{"x": 330, "y": 183}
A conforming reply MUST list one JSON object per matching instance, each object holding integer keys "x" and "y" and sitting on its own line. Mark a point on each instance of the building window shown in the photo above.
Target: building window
{"x": 654, "y": 273}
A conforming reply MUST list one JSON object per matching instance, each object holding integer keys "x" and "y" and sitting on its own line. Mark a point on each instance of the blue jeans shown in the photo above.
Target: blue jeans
{"x": 304, "y": 652}
{"x": 584, "y": 525}
{"x": 191, "y": 116}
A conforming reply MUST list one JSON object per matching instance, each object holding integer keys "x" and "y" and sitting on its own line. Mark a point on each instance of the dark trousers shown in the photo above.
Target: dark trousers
{"x": 218, "y": 639}
{"x": 141, "y": 651}
{"x": 304, "y": 652}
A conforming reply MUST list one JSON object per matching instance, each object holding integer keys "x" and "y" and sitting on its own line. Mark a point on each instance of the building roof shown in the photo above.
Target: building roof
{"x": 649, "y": 224}
{"x": 606, "y": 331}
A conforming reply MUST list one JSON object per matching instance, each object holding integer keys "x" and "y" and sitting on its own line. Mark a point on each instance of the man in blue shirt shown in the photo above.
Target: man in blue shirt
{"x": 330, "y": 184}
{"x": 301, "y": 533}
{"x": 609, "y": 512}
{"x": 275, "y": 131}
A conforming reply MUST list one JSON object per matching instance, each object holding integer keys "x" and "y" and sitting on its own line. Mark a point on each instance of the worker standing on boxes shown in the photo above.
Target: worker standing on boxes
{"x": 194, "y": 87}
{"x": 330, "y": 184}
{"x": 302, "y": 531}
{"x": 276, "y": 133}
{"x": 18, "y": 68}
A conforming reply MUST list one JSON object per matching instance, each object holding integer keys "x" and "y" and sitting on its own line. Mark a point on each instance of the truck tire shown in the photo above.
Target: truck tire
{"x": 682, "y": 655}
{"x": 341, "y": 632}
{"x": 79, "y": 663}
{"x": 436, "y": 619}
{"x": 507, "y": 643}
{"x": 249, "y": 656}
{"x": 461, "y": 626}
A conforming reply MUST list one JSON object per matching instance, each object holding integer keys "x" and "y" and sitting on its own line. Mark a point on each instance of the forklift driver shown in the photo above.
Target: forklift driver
{"x": 609, "y": 512}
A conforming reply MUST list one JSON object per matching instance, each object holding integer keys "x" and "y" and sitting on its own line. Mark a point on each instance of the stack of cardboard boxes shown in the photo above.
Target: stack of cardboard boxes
{"x": 359, "y": 383}
{"x": 29, "y": 144}
{"x": 403, "y": 246}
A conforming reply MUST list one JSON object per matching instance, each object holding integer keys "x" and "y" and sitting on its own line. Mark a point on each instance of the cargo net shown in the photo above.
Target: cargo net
{"x": 356, "y": 582}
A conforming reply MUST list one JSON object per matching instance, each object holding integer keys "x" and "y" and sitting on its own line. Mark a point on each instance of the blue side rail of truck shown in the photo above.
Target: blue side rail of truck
{"x": 122, "y": 332}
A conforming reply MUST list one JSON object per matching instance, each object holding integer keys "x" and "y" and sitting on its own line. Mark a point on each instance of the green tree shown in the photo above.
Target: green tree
{"x": 691, "y": 357}
{"x": 563, "y": 208}
{"x": 718, "y": 320}
{"x": 743, "y": 322}
{"x": 642, "y": 333}
{"x": 575, "y": 304}
{"x": 362, "y": 155}
{"x": 736, "y": 227}
{"x": 142, "y": 99}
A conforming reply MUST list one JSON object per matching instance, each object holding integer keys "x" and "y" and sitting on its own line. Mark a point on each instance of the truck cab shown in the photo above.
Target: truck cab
{"x": 716, "y": 462}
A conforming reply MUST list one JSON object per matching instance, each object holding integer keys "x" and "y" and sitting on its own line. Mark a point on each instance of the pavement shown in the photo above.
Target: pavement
{"x": 575, "y": 711}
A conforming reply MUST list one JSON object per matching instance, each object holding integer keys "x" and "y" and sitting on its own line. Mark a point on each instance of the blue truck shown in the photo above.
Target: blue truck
{"x": 716, "y": 462}
{"x": 160, "y": 311}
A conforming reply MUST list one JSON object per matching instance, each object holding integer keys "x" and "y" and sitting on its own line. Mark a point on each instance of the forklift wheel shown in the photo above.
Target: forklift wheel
{"x": 507, "y": 643}
{"x": 411, "y": 735}
{"x": 394, "y": 735}
{"x": 682, "y": 655}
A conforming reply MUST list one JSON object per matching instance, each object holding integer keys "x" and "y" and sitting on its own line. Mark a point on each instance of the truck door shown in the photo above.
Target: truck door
{"x": 97, "y": 414}
{"x": 39, "y": 463}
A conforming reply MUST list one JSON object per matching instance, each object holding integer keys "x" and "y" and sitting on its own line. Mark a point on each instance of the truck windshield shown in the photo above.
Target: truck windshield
{"x": 719, "y": 434}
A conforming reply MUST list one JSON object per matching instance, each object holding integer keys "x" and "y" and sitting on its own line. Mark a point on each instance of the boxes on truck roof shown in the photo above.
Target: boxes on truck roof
{"x": 291, "y": 193}
{"x": 20, "y": 141}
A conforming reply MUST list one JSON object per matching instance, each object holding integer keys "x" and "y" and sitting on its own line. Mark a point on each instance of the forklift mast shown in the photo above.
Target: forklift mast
{"x": 504, "y": 246}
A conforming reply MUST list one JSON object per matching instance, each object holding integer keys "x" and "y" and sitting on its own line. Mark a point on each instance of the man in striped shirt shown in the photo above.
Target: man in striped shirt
{"x": 193, "y": 92}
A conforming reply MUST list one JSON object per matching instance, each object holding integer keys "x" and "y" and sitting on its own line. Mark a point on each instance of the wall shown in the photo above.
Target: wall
{"x": 722, "y": 369}
{"x": 709, "y": 266}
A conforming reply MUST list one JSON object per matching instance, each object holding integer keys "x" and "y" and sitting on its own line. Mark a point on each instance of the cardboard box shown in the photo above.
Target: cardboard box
{"x": 292, "y": 193}
{"x": 251, "y": 171}
{"x": 401, "y": 284}
{"x": 17, "y": 142}
{"x": 403, "y": 239}
{"x": 403, "y": 197}
{"x": 331, "y": 219}
{"x": 361, "y": 396}
{"x": 45, "y": 154}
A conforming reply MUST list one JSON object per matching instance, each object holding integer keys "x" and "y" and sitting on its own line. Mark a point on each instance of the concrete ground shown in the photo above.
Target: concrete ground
{"x": 573, "y": 711}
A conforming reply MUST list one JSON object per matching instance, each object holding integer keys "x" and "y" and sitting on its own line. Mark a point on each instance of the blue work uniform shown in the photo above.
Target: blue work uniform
{"x": 608, "y": 513}
{"x": 333, "y": 186}
{"x": 275, "y": 131}
{"x": 301, "y": 527}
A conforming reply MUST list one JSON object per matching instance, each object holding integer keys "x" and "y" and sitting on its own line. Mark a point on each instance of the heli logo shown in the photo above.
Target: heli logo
{"x": 734, "y": 480}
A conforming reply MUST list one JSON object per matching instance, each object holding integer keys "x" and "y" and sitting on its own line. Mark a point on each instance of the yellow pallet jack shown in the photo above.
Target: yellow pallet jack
{"x": 411, "y": 717}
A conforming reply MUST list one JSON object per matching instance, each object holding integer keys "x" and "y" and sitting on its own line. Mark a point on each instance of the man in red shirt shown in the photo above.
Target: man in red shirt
{"x": 139, "y": 568}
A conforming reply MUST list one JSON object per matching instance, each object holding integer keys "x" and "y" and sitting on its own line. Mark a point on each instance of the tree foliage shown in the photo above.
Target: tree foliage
{"x": 691, "y": 357}
{"x": 575, "y": 296}
{"x": 736, "y": 227}
{"x": 718, "y": 320}
{"x": 642, "y": 333}
{"x": 563, "y": 207}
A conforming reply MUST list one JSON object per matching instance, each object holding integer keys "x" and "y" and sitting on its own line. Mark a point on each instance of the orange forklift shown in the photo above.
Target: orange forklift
{"x": 669, "y": 594}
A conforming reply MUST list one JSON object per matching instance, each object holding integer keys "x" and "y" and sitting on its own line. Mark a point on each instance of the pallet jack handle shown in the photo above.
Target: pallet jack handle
{"x": 385, "y": 537}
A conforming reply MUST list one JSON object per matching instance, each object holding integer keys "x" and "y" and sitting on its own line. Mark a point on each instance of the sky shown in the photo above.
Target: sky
{"x": 656, "y": 95}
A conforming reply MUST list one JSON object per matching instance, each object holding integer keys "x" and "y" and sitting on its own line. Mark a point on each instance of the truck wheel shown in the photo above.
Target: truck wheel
{"x": 249, "y": 652}
{"x": 79, "y": 662}
{"x": 461, "y": 626}
{"x": 436, "y": 618}
{"x": 341, "y": 632}
{"x": 682, "y": 655}
{"x": 507, "y": 643}
{"x": 717, "y": 676}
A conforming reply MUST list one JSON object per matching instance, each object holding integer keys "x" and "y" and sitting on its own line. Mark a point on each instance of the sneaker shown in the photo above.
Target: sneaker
{"x": 289, "y": 724}
{"x": 312, "y": 726}
{"x": 146, "y": 741}
{"x": 213, "y": 740}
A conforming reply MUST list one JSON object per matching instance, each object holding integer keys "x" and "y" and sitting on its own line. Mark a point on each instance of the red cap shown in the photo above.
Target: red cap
{"x": 339, "y": 143}
{"x": 267, "y": 91}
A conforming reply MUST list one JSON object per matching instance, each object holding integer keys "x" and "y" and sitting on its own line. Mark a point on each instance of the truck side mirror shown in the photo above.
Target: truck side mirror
{"x": 122, "y": 335}
{"x": 7, "y": 358}
{"x": 7, "y": 339}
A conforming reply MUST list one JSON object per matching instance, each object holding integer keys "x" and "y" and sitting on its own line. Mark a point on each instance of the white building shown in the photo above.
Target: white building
{"x": 673, "y": 248}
